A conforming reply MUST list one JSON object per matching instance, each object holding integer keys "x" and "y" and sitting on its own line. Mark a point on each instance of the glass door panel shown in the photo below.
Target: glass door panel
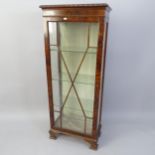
{"x": 73, "y": 48}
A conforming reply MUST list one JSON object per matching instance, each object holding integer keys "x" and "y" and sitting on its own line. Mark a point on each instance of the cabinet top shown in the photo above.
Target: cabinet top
{"x": 98, "y": 5}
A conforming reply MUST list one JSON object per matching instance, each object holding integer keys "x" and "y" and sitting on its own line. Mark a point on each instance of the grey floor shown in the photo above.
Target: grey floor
{"x": 28, "y": 135}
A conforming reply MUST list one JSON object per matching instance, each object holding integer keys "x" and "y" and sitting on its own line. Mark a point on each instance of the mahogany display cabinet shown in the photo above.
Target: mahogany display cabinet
{"x": 75, "y": 49}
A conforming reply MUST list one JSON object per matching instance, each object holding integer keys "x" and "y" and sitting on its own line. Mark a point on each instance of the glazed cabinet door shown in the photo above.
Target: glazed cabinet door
{"x": 73, "y": 53}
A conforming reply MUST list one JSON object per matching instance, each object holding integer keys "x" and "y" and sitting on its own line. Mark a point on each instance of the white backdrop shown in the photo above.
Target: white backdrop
{"x": 129, "y": 92}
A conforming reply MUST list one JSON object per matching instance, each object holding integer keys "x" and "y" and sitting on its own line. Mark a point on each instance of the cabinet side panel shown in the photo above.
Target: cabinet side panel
{"x": 103, "y": 71}
{"x": 48, "y": 71}
{"x": 98, "y": 82}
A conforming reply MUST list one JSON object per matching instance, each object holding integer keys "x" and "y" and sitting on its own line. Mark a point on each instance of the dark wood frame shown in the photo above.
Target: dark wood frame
{"x": 79, "y": 13}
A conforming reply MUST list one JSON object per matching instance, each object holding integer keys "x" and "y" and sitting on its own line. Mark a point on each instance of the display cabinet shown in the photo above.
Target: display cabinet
{"x": 75, "y": 49}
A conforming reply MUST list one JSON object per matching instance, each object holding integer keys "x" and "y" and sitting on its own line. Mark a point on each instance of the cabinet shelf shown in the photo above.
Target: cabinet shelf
{"x": 80, "y": 79}
{"x": 74, "y": 50}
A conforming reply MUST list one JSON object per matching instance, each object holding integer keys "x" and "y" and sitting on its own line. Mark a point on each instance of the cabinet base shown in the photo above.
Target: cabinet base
{"x": 93, "y": 142}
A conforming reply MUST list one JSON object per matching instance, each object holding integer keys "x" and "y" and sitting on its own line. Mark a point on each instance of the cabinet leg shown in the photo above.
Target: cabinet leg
{"x": 52, "y": 135}
{"x": 93, "y": 145}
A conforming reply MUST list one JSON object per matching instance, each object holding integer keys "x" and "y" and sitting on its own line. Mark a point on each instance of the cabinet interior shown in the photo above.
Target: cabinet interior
{"x": 73, "y": 50}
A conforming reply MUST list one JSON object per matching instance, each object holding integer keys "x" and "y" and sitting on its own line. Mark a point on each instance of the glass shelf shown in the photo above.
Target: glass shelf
{"x": 91, "y": 50}
{"x": 81, "y": 79}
